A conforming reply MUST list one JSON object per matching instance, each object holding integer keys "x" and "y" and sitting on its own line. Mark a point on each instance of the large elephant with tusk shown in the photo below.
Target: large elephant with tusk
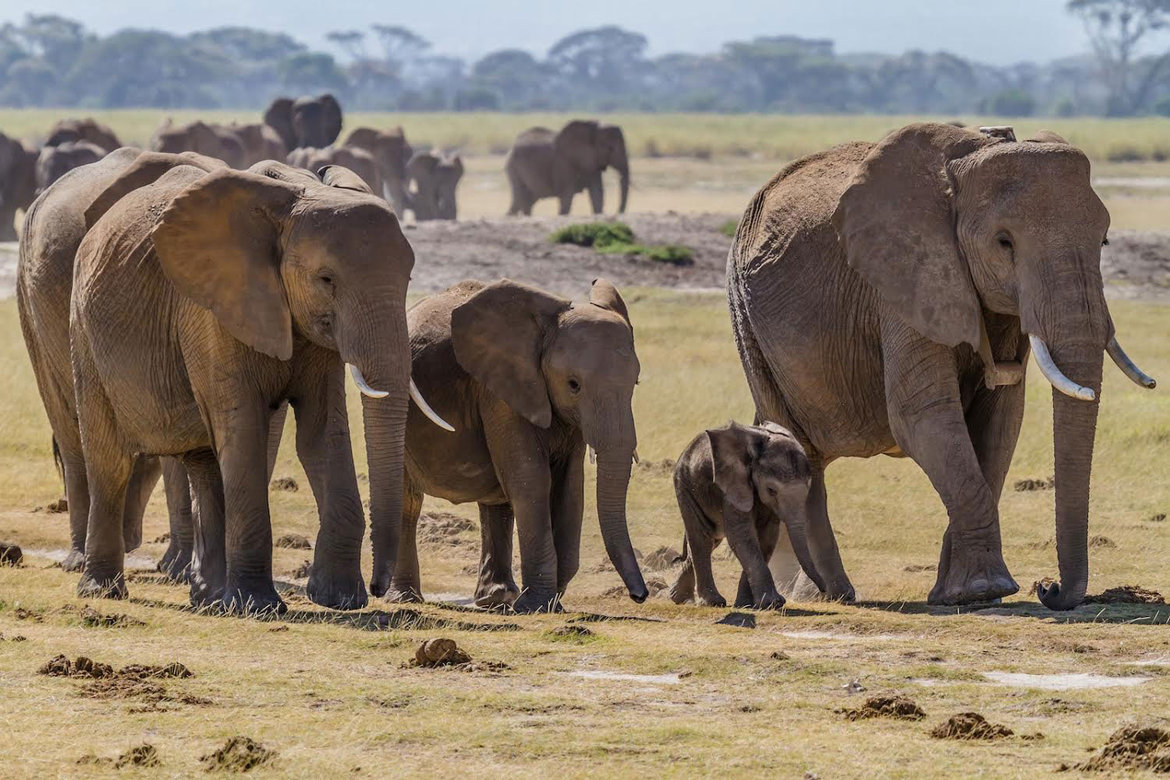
{"x": 885, "y": 298}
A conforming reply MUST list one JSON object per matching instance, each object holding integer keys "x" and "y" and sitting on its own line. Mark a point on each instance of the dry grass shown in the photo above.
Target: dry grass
{"x": 329, "y": 692}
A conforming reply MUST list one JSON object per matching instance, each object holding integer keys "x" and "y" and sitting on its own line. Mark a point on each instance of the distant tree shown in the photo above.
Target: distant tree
{"x": 400, "y": 46}
{"x": 1010, "y": 102}
{"x": 352, "y": 42}
{"x": 513, "y": 75}
{"x": 312, "y": 72}
{"x": 1116, "y": 29}
{"x": 600, "y": 63}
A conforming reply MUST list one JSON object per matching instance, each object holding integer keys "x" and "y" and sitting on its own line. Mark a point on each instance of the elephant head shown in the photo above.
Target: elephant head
{"x": 18, "y": 183}
{"x": 391, "y": 152}
{"x": 947, "y": 224}
{"x": 55, "y": 161}
{"x": 435, "y": 179}
{"x": 316, "y": 121}
{"x": 590, "y": 148}
{"x": 548, "y": 357}
{"x": 766, "y": 464}
{"x": 94, "y": 132}
{"x": 279, "y": 116}
{"x": 202, "y": 138}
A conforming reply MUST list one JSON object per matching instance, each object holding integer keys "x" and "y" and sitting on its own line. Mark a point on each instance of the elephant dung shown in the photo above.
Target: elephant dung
{"x": 293, "y": 542}
{"x": 10, "y": 554}
{"x": 737, "y": 619}
{"x": 238, "y": 754}
{"x": 898, "y": 707}
{"x": 1134, "y": 747}
{"x": 1127, "y": 594}
{"x": 140, "y": 755}
{"x": 440, "y": 652}
{"x": 970, "y": 725}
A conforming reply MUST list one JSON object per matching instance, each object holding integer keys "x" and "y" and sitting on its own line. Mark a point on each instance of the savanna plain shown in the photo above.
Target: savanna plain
{"x": 609, "y": 685}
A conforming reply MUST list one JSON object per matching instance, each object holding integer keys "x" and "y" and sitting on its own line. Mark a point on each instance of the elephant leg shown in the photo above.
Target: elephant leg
{"x": 596, "y": 193}
{"x": 994, "y": 418}
{"x": 176, "y": 561}
{"x": 701, "y": 541}
{"x": 521, "y": 197}
{"x": 406, "y": 584}
{"x": 743, "y": 538}
{"x": 683, "y": 589}
{"x": 565, "y": 203}
{"x": 275, "y": 434}
{"x": 207, "y": 568}
{"x": 495, "y": 587}
{"x": 76, "y": 496}
{"x": 568, "y": 511}
{"x": 538, "y": 553}
{"x": 145, "y": 476}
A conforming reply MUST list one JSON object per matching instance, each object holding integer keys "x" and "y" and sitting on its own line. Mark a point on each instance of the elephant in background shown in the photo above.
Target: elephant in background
{"x": 18, "y": 183}
{"x": 199, "y": 137}
{"x": 260, "y": 142}
{"x": 53, "y": 162}
{"x": 936, "y": 260}
{"x": 89, "y": 130}
{"x": 308, "y": 121}
{"x": 391, "y": 152}
{"x": 544, "y": 164}
{"x": 357, "y": 160}
{"x": 531, "y": 379}
{"x": 435, "y": 178}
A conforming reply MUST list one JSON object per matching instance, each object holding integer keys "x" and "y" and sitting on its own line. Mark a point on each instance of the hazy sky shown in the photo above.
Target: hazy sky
{"x": 994, "y": 31}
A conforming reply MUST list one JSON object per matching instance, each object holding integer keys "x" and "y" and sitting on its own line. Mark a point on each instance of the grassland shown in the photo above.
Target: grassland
{"x": 329, "y": 691}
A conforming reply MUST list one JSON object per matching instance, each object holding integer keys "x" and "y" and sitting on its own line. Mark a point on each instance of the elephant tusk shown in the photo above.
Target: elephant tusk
{"x": 364, "y": 386}
{"x": 1053, "y": 373}
{"x": 1128, "y": 367}
{"x": 637, "y": 460}
{"x": 592, "y": 453}
{"x": 426, "y": 409}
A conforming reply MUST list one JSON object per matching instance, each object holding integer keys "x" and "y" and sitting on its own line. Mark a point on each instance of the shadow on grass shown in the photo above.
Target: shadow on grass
{"x": 1135, "y": 614}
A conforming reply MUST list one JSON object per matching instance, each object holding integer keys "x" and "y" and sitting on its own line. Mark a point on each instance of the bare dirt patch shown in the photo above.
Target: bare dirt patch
{"x": 970, "y": 725}
{"x": 294, "y": 542}
{"x": 443, "y": 529}
{"x": 1132, "y": 748}
{"x": 238, "y": 754}
{"x": 897, "y": 707}
{"x": 1126, "y": 594}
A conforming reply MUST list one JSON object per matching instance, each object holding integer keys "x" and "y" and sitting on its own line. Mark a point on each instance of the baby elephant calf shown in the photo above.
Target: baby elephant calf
{"x": 741, "y": 482}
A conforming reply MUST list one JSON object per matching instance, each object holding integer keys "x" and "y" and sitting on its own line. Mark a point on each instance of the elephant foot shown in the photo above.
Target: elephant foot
{"x": 972, "y": 579}
{"x": 531, "y": 602}
{"x": 175, "y": 564}
{"x": 74, "y": 561}
{"x": 496, "y": 595}
{"x": 405, "y": 593}
{"x": 254, "y": 601}
{"x": 770, "y": 601}
{"x": 97, "y": 586}
{"x": 335, "y": 590}
{"x": 712, "y": 600}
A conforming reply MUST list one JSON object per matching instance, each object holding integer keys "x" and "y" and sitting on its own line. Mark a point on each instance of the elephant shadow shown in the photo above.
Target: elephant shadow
{"x": 1130, "y": 614}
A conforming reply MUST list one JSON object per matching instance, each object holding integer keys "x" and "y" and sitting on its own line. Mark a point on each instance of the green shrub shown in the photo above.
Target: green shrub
{"x": 595, "y": 234}
{"x": 729, "y": 227}
{"x": 675, "y": 254}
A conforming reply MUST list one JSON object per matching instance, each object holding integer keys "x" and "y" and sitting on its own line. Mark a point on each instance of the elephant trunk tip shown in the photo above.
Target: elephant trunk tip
{"x": 1057, "y": 599}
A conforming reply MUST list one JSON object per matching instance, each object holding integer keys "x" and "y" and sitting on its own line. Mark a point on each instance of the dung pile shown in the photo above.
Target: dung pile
{"x": 1134, "y": 747}
{"x": 970, "y": 725}
{"x": 141, "y": 755}
{"x": 10, "y": 554}
{"x": 293, "y": 542}
{"x": 238, "y": 754}
{"x": 1029, "y": 485}
{"x": 440, "y": 652}
{"x": 1126, "y": 594}
{"x": 898, "y": 707}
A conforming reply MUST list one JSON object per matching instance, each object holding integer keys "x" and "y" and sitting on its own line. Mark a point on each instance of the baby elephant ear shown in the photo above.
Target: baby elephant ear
{"x": 731, "y": 454}
{"x": 605, "y": 295}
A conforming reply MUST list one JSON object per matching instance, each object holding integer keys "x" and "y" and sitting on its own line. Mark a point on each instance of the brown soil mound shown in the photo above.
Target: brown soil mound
{"x": 10, "y": 554}
{"x": 238, "y": 754}
{"x": 142, "y": 755}
{"x": 886, "y": 707}
{"x": 293, "y": 542}
{"x": 440, "y": 652}
{"x": 1029, "y": 485}
{"x": 54, "y": 507}
{"x": 1126, "y": 594}
{"x": 737, "y": 619}
{"x": 970, "y": 725}
{"x": 1132, "y": 748}
{"x": 662, "y": 558}
{"x": 443, "y": 528}
{"x": 1102, "y": 542}
{"x": 285, "y": 484}
{"x": 302, "y": 571}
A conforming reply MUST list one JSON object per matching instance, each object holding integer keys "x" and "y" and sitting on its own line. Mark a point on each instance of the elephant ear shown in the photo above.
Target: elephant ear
{"x": 218, "y": 243}
{"x": 499, "y": 334}
{"x": 331, "y": 119}
{"x": 422, "y": 165}
{"x": 279, "y": 118}
{"x": 578, "y": 142}
{"x": 146, "y": 169}
{"x": 455, "y": 164}
{"x": 343, "y": 178}
{"x": 732, "y": 450}
{"x": 284, "y": 172}
{"x": 1048, "y": 137}
{"x": 897, "y": 225}
{"x": 605, "y": 295}
{"x": 777, "y": 430}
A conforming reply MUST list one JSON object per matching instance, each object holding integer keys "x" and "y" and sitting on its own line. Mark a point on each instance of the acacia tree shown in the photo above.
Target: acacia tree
{"x": 1116, "y": 29}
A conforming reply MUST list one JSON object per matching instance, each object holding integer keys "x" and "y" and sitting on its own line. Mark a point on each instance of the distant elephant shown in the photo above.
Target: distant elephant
{"x": 391, "y": 152}
{"x": 544, "y": 164}
{"x": 18, "y": 183}
{"x": 242, "y": 290}
{"x": 90, "y": 130}
{"x": 435, "y": 178}
{"x": 53, "y": 162}
{"x": 357, "y": 160}
{"x": 741, "y": 483}
{"x": 531, "y": 379}
{"x": 312, "y": 122}
{"x": 884, "y": 298}
{"x": 260, "y": 143}
{"x": 201, "y": 138}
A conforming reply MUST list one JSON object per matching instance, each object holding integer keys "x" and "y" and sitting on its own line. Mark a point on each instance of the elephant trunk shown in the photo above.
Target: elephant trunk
{"x": 798, "y": 537}
{"x": 622, "y": 166}
{"x": 613, "y": 480}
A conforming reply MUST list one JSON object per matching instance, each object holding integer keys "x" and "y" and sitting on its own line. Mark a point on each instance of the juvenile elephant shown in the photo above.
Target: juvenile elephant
{"x": 259, "y": 141}
{"x": 313, "y": 122}
{"x": 741, "y": 482}
{"x": 89, "y": 130}
{"x": 884, "y": 298}
{"x": 201, "y": 138}
{"x": 53, "y": 162}
{"x": 357, "y": 160}
{"x": 529, "y": 379}
{"x": 391, "y": 153}
{"x": 18, "y": 183}
{"x": 544, "y": 164}
{"x": 240, "y": 291}
{"x": 435, "y": 178}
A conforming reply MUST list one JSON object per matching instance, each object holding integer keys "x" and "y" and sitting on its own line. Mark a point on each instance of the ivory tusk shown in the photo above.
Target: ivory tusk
{"x": 1053, "y": 373}
{"x": 637, "y": 460}
{"x": 426, "y": 409}
{"x": 1128, "y": 367}
{"x": 364, "y": 386}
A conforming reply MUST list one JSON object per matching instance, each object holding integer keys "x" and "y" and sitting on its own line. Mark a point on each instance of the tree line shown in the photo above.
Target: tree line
{"x": 52, "y": 61}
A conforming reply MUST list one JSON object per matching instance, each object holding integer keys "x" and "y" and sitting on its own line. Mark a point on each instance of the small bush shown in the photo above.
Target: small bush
{"x": 675, "y": 254}
{"x": 595, "y": 234}
{"x": 729, "y": 227}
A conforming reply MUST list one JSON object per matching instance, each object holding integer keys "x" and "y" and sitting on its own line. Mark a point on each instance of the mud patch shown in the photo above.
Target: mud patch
{"x": 970, "y": 725}
{"x": 57, "y": 507}
{"x": 10, "y": 554}
{"x": 285, "y": 485}
{"x": 897, "y": 707}
{"x": 1132, "y": 748}
{"x": 1063, "y": 682}
{"x": 737, "y": 619}
{"x": 293, "y": 542}
{"x": 238, "y": 754}
{"x": 142, "y": 755}
{"x": 443, "y": 529}
{"x": 662, "y": 558}
{"x": 1126, "y": 594}
{"x": 1031, "y": 485}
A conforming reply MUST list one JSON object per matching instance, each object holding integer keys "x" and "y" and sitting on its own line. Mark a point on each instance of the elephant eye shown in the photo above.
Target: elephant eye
{"x": 1004, "y": 241}
{"x": 574, "y": 386}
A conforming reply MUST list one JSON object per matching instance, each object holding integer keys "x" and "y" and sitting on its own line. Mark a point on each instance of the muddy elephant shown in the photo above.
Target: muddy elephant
{"x": 308, "y": 121}
{"x": 89, "y": 130}
{"x": 391, "y": 152}
{"x": 18, "y": 183}
{"x": 434, "y": 179}
{"x": 259, "y": 141}
{"x": 357, "y": 160}
{"x": 529, "y": 379}
{"x": 201, "y": 138}
{"x": 885, "y": 298}
{"x": 243, "y": 289}
{"x": 742, "y": 483}
{"x": 53, "y": 162}
{"x": 544, "y": 164}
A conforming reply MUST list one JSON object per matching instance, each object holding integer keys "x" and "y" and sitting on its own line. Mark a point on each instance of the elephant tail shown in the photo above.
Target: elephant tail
{"x": 58, "y": 462}
{"x": 682, "y": 558}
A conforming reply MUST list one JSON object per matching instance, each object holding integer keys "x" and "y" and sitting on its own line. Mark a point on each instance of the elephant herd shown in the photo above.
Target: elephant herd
{"x": 884, "y": 299}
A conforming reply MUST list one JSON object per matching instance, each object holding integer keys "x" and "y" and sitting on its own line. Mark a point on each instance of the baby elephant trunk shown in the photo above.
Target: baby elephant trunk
{"x": 798, "y": 537}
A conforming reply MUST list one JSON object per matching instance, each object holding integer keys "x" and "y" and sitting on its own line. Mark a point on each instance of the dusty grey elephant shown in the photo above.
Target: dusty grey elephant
{"x": 391, "y": 153}
{"x": 357, "y": 160}
{"x": 53, "y": 162}
{"x": 544, "y": 164}
{"x": 884, "y": 298}
{"x": 89, "y": 130}
{"x": 313, "y": 122}
{"x": 741, "y": 482}
{"x": 18, "y": 183}
{"x": 260, "y": 142}
{"x": 243, "y": 290}
{"x": 529, "y": 379}
{"x": 201, "y": 138}
{"x": 434, "y": 178}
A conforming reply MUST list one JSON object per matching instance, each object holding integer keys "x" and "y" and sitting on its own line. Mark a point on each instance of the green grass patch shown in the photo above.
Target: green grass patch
{"x": 616, "y": 238}
{"x": 729, "y": 227}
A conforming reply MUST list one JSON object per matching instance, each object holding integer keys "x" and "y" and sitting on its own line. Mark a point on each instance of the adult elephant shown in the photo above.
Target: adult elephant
{"x": 531, "y": 379}
{"x": 391, "y": 152}
{"x": 435, "y": 178}
{"x": 308, "y": 121}
{"x": 260, "y": 142}
{"x": 18, "y": 183}
{"x": 357, "y": 160}
{"x": 544, "y": 164}
{"x": 53, "y": 162}
{"x": 884, "y": 297}
{"x": 201, "y": 138}
{"x": 89, "y": 130}
{"x": 243, "y": 290}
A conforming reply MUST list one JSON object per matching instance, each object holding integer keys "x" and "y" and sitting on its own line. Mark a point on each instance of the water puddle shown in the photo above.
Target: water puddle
{"x": 651, "y": 679}
{"x": 1063, "y": 682}
{"x": 839, "y": 636}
